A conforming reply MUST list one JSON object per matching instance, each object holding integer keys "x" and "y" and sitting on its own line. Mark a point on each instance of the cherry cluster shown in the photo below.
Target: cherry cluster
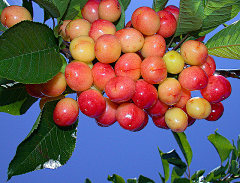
{"x": 128, "y": 76}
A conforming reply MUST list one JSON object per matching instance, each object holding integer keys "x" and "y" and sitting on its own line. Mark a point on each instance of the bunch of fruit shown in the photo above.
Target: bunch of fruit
{"x": 130, "y": 75}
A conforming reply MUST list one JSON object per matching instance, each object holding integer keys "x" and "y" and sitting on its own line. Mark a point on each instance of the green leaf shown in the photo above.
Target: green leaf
{"x": 46, "y": 146}
{"x": 125, "y": 4}
{"x": 50, "y": 7}
{"x": 162, "y": 178}
{"x": 165, "y": 166}
{"x": 173, "y": 158}
{"x": 159, "y": 4}
{"x": 143, "y": 179}
{"x": 238, "y": 144}
{"x": 181, "y": 180}
{"x": 72, "y": 10}
{"x": 177, "y": 173}
{"x": 182, "y": 141}
{"x": 3, "y": 4}
{"x": 14, "y": 98}
{"x": 88, "y": 181}
{"x": 234, "y": 167}
{"x": 120, "y": 23}
{"x": 217, "y": 12}
{"x": 197, "y": 174}
{"x": 29, "y": 53}
{"x": 190, "y": 17}
{"x": 222, "y": 145}
{"x": 115, "y": 179}
{"x": 132, "y": 180}
{"x": 216, "y": 173}
{"x": 226, "y": 43}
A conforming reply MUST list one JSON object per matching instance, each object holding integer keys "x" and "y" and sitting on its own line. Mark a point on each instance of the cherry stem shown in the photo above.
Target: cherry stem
{"x": 169, "y": 44}
{"x": 179, "y": 44}
{"x": 232, "y": 73}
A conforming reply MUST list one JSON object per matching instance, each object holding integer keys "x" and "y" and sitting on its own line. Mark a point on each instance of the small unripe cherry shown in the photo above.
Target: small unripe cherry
{"x": 66, "y": 112}
{"x": 174, "y": 62}
{"x": 109, "y": 10}
{"x": 176, "y": 119}
{"x": 198, "y": 108}
{"x": 82, "y": 49}
{"x": 14, "y": 14}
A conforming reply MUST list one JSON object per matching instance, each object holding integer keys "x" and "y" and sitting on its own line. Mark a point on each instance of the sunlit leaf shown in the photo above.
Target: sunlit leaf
{"x": 132, "y": 180}
{"x": 226, "y": 43}
{"x": 197, "y": 174}
{"x": 120, "y": 23}
{"x": 217, "y": 12}
{"x": 185, "y": 147}
{"x": 165, "y": 165}
{"x": 190, "y": 16}
{"x": 222, "y": 145}
{"x": 115, "y": 179}
{"x": 73, "y": 10}
{"x": 125, "y": 4}
{"x": 216, "y": 173}
{"x": 29, "y": 53}
{"x": 46, "y": 146}
{"x": 159, "y": 4}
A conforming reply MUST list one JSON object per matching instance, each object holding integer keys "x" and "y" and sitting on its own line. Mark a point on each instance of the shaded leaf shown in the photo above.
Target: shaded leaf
{"x": 87, "y": 181}
{"x": 177, "y": 173}
{"x": 216, "y": 173}
{"x": 173, "y": 158}
{"x": 222, "y": 145}
{"x": 159, "y": 4}
{"x": 165, "y": 167}
{"x": 190, "y": 17}
{"x": 233, "y": 169}
{"x": 46, "y": 146}
{"x": 238, "y": 144}
{"x": 143, "y": 179}
{"x": 28, "y": 4}
{"x": 162, "y": 178}
{"x": 217, "y": 12}
{"x": 72, "y": 10}
{"x": 182, "y": 141}
{"x": 181, "y": 180}
{"x": 49, "y": 7}
{"x": 115, "y": 179}
{"x": 29, "y": 53}
{"x": 14, "y": 98}
{"x": 226, "y": 43}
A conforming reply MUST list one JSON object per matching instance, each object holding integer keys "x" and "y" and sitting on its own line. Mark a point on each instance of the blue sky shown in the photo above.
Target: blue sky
{"x": 101, "y": 151}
